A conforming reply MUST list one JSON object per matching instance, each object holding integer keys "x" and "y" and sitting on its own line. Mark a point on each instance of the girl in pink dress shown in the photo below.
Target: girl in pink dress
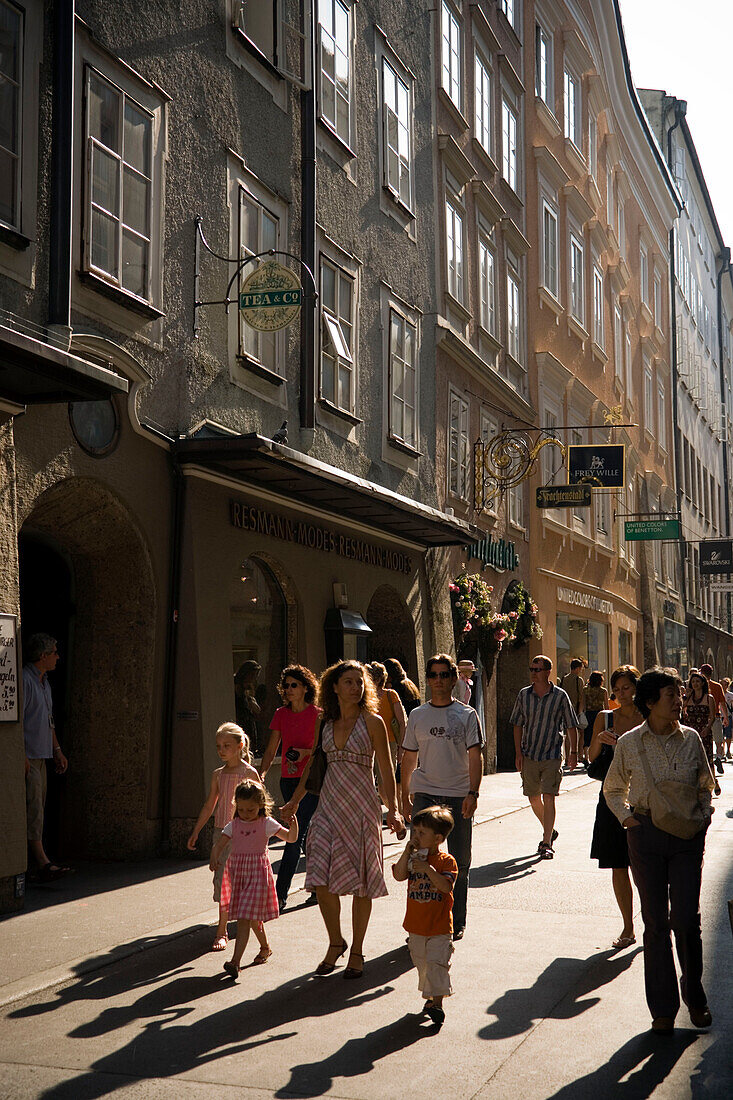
{"x": 248, "y": 888}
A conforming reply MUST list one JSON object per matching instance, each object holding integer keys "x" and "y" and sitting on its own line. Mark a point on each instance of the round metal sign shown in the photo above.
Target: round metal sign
{"x": 270, "y": 297}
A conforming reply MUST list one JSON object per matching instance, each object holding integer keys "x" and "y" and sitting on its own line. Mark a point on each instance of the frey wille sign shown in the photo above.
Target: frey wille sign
{"x": 260, "y": 521}
{"x": 716, "y": 556}
{"x": 603, "y": 464}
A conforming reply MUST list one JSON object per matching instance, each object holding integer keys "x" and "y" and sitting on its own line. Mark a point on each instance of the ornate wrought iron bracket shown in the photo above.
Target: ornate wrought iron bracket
{"x": 310, "y": 295}
{"x": 506, "y": 460}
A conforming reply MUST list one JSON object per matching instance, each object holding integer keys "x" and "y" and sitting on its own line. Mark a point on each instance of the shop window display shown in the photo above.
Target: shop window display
{"x": 258, "y": 613}
{"x": 584, "y": 638}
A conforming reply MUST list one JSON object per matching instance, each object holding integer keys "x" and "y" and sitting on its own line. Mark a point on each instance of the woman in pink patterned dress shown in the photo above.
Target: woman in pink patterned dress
{"x": 248, "y": 888}
{"x": 344, "y": 849}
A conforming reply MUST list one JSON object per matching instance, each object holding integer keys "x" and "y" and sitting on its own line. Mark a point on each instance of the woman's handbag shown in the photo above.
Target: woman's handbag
{"x": 318, "y": 762}
{"x": 674, "y": 807}
{"x": 598, "y": 768}
{"x": 583, "y": 720}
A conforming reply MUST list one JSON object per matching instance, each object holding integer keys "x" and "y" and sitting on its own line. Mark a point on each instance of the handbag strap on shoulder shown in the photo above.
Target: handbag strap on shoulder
{"x": 645, "y": 765}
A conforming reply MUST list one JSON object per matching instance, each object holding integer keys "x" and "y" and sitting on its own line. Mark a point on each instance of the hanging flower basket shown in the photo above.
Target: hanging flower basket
{"x": 479, "y": 629}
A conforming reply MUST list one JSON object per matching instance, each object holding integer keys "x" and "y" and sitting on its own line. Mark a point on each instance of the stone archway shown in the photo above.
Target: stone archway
{"x": 104, "y": 805}
{"x": 393, "y": 631}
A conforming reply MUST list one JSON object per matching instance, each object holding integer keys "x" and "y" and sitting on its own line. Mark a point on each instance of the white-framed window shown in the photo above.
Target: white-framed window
{"x": 629, "y": 367}
{"x": 451, "y": 76}
{"x": 454, "y": 249}
{"x": 488, "y": 429}
{"x": 118, "y": 227}
{"x": 458, "y": 446}
{"x": 510, "y": 138}
{"x": 402, "y": 379}
{"x": 644, "y": 272}
{"x": 618, "y": 344}
{"x": 338, "y": 302}
{"x": 654, "y": 505}
{"x": 572, "y": 115}
{"x": 511, "y": 11}
{"x": 551, "y": 464}
{"x": 543, "y": 77}
{"x": 661, "y": 416}
{"x": 609, "y": 188}
{"x": 577, "y": 279}
{"x": 549, "y": 248}
{"x": 334, "y": 17}
{"x": 621, "y": 226}
{"x": 482, "y": 95}
{"x": 513, "y": 307}
{"x": 657, "y": 299}
{"x": 580, "y": 515}
{"x": 602, "y": 514}
{"x": 598, "y": 305}
{"x": 11, "y": 106}
{"x": 648, "y": 397}
{"x": 592, "y": 144}
{"x": 487, "y": 280}
{"x": 397, "y": 130}
{"x": 515, "y": 498}
{"x": 259, "y": 229}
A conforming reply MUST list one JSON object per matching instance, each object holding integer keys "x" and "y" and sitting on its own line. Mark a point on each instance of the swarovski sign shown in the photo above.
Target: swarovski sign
{"x": 716, "y": 556}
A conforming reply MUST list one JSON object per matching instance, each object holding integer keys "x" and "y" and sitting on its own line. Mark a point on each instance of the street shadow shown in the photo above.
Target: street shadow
{"x": 506, "y": 870}
{"x": 517, "y": 1010}
{"x": 168, "y": 1042}
{"x": 635, "y": 1071}
{"x": 357, "y": 1056}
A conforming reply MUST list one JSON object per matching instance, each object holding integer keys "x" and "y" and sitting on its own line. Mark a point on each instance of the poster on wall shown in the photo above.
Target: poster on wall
{"x": 8, "y": 668}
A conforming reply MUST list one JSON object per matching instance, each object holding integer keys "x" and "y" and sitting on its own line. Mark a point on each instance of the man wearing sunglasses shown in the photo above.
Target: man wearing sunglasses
{"x": 542, "y": 714}
{"x": 442, "y": 764}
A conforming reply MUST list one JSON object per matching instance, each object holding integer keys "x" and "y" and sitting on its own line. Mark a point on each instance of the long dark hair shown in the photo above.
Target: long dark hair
{"x": 406, "y": 690}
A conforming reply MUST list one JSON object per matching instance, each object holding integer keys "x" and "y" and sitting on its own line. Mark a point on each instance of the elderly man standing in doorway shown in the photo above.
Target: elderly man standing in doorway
{"x": 442, "y": 763}
{"x": 41, "y": 745}
{"x": 542, "y": 712}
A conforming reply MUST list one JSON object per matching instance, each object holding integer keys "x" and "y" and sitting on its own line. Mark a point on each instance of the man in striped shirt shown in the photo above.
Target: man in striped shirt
{"x": 542, "y": 714}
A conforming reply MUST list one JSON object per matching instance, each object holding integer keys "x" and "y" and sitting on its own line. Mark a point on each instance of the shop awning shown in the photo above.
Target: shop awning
{"x": 258, "y": 461}
{"x": 35, "y": 371}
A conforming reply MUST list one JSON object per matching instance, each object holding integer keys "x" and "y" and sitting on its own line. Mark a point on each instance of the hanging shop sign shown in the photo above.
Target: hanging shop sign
{"x": 716, "y": 556}
{"x": 270, "y": 297}
{"x": 643, "y": 530}
{"x": 604, "y": 464}
{"x": 496, "y": 552}
{"x": 720, "y": 586}
{"x": 563, "y": 496}
{"x": 8, "y": 669}
{"x": 261, "y": 521}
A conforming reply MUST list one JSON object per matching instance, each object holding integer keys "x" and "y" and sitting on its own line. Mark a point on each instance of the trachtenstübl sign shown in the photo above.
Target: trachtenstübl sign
{"x": 248, "y": 517}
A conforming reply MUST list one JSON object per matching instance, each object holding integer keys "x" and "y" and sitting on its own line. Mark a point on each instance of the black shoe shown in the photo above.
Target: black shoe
{"x": 282, "y": 904}
{"x": 458, "y": 934}
{"x": 436, "y": 1015}
{"x": 700, "y": 1017}
{"x": 719, "y": 765}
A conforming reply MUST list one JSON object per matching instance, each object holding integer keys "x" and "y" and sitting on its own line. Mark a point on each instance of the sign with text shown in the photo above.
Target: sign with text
{"x": 643, "y": 530}
{"x": 563, "y": 496}
{"x": 8, "y": 669}
{"x": 716, "y": 556}
{"x": 720, "y": 586}
{"x": 496, "y": 552}
{"x": 604, "y": 464}
{"x": 270, "y": 297}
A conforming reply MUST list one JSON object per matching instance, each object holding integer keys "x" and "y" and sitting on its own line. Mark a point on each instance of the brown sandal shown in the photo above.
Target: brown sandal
{"x": 262, "y": 956}
{"x": 351, "y": 971}
{"x": 327, "y": 967}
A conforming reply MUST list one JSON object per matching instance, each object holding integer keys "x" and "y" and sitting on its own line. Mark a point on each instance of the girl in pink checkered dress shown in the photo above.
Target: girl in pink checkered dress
{"x": 248, "y": 888}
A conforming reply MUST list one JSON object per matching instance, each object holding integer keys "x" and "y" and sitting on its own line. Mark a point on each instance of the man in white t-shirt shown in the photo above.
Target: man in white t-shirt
{"x": 442, "y": 764}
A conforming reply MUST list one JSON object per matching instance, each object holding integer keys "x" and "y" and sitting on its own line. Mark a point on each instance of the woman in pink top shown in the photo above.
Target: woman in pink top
{"x": 295, "y": 726}
{"x": 232, "y": 746}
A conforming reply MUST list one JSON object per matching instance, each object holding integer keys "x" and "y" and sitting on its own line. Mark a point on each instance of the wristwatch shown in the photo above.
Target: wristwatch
{"x": 475, "y": 794}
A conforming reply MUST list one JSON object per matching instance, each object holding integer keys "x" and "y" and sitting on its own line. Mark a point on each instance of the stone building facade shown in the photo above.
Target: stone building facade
{"x": 152, "y": 524}
{"x": 702, "y": 289}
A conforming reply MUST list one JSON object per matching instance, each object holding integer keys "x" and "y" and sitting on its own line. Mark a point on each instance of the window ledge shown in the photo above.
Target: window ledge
{"x": 598, "y": 353}
{"x": 646, "y": 312}
{"x": 397, "y": 202}
{"x": 577, "y": 329}
{"x": 485, "y": 157}
{"x": 337, "y": 411}
{"x": 515, "y": 363}
{"x": 547, "y": 117}
{"x": 261, "y": 371}
{"x": 122, "y": 297}
{"x": 547, "y": 298}
{"x": 575, "y": 156}
{"x": 256, "y": 52}
{"x": 458, "y": 306}
{"x": 454, "y": 111}
{"x": 14, "y": 239}
{"x": 343, "y": 146}
{"x": 404, "y": 448}
{"x": 490, "y": 339}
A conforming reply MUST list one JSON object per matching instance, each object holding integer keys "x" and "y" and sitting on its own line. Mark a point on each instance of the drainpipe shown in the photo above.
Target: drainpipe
{"x": 724, "y": 270}
{"x": 680, "y": 110}
{"x": 171, "y": 648}
{"x": 308, "y": 242}
{"x": 62, "y": 147}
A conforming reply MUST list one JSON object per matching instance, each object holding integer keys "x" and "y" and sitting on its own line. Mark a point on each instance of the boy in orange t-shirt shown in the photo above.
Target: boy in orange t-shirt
{"x": 431, "y": 875}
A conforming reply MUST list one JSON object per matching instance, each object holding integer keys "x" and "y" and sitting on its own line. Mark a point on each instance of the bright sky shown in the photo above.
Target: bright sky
{"x": 685, "y": 49}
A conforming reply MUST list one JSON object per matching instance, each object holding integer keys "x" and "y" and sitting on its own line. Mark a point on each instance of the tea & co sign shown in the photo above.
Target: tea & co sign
{"x": 270, "y": 297}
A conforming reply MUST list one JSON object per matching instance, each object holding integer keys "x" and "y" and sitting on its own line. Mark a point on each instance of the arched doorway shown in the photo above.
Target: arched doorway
{"x": 86, "y": 578}
{"x": 259, "y": 625}
{"x": 511, "y": 676}
{"x": 393, "y": 631}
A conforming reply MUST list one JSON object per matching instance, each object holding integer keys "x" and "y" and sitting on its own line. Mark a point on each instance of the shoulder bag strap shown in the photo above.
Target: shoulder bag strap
{"x": 645, "y": 765}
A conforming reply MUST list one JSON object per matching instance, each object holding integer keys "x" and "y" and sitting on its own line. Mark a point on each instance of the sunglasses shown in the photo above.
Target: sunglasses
{"x": 440, "y": 675}
{"x": 292, "y": 684}
{"x": 538, "y": 668}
